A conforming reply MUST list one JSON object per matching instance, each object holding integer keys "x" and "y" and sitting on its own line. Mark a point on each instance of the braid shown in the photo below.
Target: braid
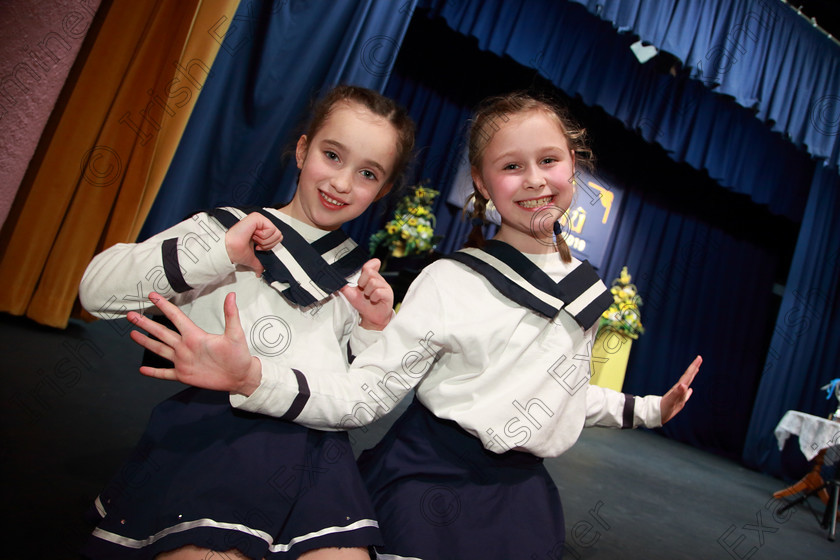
{"x": 477, "y": 218}
{"x": 563, "y": 248}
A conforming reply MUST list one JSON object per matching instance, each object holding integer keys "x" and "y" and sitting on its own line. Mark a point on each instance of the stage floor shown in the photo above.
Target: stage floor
{"x": 74, "y": 405}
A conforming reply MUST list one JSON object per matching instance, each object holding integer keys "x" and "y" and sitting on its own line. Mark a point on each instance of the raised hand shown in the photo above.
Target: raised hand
{"x": 373, "y": 297}
{"x": 218, "y": 362}
{"x": 254, "y": 231}
{"x": 674, "y": 400}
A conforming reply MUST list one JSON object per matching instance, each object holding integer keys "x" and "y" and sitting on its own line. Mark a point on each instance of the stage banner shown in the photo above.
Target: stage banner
{"x": 589, "y": 225}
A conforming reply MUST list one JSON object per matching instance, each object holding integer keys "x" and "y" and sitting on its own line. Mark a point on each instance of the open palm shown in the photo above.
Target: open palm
{"x": 210, "y": 361}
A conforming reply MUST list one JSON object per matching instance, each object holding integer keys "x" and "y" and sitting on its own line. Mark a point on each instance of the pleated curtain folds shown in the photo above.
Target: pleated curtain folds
{"x": 110, "y": 149}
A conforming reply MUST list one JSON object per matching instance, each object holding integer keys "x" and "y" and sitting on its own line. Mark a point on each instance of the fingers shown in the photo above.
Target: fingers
{"x": 375, "y": 292}
{"x": 233, "y": 326}
{"x": 675, "y": 399}
{"x": 694, "y": 367}
{"x": 360, "y": 298}
{"x": 159, "y": 373}
{"x": 370, "y": 281}
{"x": 372, "y": 265}
{"x": 267, "y": 239}
{"x": 688, "y": 377}
{"x": 162, "y": 333}
{"x": 371, "y": 293}
{"x": 354, "y": 295}
{"x": 265, "y": 234}
{"x": 370, "y": 271}
{"x": 159, "y": 348}
{"x": 253, "y": 232}
{"x": 178, "y": 317}
{"x": 379, "y": 294}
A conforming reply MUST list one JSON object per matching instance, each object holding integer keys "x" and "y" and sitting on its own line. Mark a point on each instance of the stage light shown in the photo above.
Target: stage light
{"x": 643, "y": 52}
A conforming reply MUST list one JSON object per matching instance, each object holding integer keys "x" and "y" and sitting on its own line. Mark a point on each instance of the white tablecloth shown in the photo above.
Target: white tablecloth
{"x": 814, "y": 433}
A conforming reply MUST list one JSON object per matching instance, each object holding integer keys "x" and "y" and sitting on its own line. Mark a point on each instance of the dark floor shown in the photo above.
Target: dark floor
{"x": 74, "y": 404}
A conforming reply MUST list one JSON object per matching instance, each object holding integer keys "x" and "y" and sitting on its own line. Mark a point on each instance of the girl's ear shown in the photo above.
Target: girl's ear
{"x": 479, "y": 183}
{"x": 301, "y": 150}
{"x": 386, "y": 188}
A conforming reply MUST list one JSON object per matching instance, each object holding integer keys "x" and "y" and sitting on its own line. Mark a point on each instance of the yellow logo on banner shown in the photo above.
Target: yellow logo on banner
{"x": 606, "y": 199}
{"x": 576, "y": 218}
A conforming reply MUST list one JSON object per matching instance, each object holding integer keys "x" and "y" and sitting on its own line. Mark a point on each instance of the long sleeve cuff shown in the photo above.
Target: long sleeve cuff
{"x": 202, "y": 268}
{"x": 276, "y": 395}
{"x": 647, "y": 412}
{"x": 361, "y": 338}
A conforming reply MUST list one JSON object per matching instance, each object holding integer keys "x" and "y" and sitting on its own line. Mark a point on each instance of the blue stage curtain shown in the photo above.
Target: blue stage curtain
{"x": 706, "y": 292}
{"x": 584, "y": 56}
{"x": 759, "y": 52}
{"x": 721, "y": 308}
{"x": 274, "y": 58}
{"x": 803, "y": 353}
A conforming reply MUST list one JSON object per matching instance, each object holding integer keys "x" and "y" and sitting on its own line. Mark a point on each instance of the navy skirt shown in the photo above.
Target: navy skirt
{"x": 439, "y": 494}
{"x": 208, "y": 475}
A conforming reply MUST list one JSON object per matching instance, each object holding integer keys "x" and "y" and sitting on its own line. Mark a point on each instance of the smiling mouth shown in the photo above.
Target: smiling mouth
{"x": 535, "y": 202}
{"x": 331, "y": 201}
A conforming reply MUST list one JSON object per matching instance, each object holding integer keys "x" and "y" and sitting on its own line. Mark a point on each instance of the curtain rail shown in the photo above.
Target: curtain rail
{"x": 812, "y": 21}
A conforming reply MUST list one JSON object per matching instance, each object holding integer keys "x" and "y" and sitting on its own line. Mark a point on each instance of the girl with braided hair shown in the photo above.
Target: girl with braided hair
{"x": 496, "y": 342}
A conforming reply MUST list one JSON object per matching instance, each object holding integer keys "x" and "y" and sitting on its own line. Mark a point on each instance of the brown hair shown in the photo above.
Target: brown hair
{"x": 379, "y": 105}
{"x": 488, "y": 118}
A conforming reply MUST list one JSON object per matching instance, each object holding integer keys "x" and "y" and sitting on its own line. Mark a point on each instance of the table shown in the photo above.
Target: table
{"x": 816, "y": 436}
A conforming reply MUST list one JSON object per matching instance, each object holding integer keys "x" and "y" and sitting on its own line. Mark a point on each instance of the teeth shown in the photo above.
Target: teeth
{"x": 534, "y": 203}
{"x": 332, "y": 200}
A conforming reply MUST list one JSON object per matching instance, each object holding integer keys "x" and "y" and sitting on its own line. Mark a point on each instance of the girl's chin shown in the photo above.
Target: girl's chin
{"x": 332, "y": 219}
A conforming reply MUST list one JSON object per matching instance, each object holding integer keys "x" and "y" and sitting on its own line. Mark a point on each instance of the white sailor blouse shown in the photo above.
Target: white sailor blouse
{"x": 504, "y": 354}
{"x": 294, "y": 310}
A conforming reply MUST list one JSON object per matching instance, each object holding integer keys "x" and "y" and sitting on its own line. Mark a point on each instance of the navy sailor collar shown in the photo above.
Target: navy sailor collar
{"x": 581, "y": 293}
{"x": 304, "y": 273}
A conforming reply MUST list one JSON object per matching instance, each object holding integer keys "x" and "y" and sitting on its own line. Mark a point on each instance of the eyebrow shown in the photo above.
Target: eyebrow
{"x": 367, "y": 162}
{"x": 513, "y": 153}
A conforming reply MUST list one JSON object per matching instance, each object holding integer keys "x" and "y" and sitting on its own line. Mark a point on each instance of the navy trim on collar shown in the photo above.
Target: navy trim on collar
{"x": 581, "y": 293}
{"x": 300, "y": 271}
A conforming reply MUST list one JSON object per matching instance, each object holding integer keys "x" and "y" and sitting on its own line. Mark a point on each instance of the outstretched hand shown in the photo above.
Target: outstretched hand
{"x": 218, "y": 362}
{"x": 253, "y": 232}
{"x": 674, "y": 400}
{"x": 373, "y": 297}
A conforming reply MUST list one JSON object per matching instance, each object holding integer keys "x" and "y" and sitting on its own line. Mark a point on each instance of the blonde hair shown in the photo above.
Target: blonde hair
{"x": 490, "y": 116}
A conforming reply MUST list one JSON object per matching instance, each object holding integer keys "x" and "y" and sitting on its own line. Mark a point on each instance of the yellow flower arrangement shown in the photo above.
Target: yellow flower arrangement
{"x": 624, "y": 315}
{"x": 411, "y": 230}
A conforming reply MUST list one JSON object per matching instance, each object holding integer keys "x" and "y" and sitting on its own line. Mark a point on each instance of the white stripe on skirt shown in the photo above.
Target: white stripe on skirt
{"x": 187, "y": 525}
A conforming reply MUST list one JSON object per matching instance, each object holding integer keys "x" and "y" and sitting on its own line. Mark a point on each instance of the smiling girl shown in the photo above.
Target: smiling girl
{"x": 205, "y": 478}
{"x": 496, "y": 341}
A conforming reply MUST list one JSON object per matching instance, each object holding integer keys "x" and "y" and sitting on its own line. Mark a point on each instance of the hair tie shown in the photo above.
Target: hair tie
{"x": 477, "y": 222}
{"x": 558, "y": 229}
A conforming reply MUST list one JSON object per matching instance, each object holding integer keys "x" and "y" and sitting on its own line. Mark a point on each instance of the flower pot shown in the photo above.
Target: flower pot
{"x": 609, "y": 359}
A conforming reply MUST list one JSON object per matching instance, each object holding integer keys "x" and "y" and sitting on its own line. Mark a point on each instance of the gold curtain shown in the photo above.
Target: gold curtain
{"x": 108, "y": 152}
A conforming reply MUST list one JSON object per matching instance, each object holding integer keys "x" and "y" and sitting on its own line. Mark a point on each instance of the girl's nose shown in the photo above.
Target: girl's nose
{"x": 341, "y": 181}
{"x": 533, "y": 178}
